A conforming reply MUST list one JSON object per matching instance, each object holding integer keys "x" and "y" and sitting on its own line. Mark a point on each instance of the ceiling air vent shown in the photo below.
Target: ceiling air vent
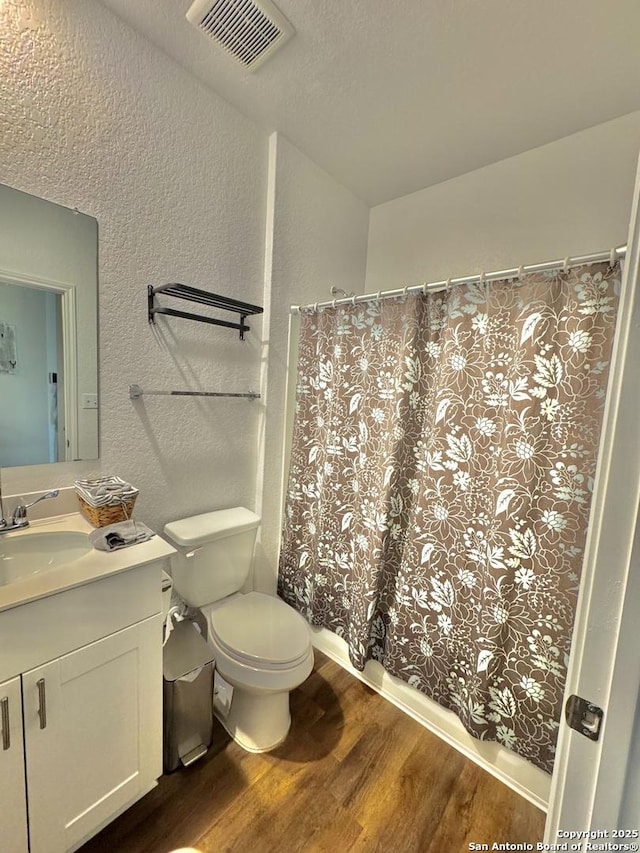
{"x": 250, "y": 30}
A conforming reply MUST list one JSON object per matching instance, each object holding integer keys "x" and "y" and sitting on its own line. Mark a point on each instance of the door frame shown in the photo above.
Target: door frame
{"x": 67, "y": 292}
{"x": 588, "y": 785}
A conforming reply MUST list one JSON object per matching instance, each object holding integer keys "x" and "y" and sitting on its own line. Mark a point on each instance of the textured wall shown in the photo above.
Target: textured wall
{"x": 572, "y": 196}
{"x": 317, "y": 237}
{"x": 96, "y": 118}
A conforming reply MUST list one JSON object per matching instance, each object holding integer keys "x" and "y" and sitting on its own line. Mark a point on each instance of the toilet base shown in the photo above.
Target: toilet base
{"x": 258, "y": 722}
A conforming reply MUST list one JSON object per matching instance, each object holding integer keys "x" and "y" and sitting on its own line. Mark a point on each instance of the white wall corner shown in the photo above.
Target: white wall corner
{"x": 316, "y": 236}
{"x": 263, "y": 578}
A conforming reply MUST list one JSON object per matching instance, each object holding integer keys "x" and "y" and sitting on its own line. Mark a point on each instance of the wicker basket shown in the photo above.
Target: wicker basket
{"x": 101, "y": 516}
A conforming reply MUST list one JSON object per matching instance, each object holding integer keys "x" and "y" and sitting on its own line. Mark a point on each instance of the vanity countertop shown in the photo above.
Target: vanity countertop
{"x": 85, "y": 569}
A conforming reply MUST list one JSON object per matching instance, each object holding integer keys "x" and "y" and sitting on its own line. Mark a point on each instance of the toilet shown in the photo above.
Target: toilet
{"x": 262, "y": 646}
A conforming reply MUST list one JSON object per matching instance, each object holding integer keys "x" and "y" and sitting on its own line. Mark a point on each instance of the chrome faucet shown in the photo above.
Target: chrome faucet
{"x": 19, "y": 518}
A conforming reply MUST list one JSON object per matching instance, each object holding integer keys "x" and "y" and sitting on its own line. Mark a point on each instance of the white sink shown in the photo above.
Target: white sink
{"x": 25, "y": 554}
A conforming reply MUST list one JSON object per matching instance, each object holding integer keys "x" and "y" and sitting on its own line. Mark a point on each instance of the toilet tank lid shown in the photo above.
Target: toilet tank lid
{"x": 200, "y": 529}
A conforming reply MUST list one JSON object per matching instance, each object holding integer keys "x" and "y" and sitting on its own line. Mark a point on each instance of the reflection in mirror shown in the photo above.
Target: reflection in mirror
{"x": 31, "y": 375}
{"x": 48, "y": 332}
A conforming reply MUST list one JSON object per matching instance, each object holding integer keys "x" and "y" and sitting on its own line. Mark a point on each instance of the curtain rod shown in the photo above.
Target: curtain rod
{"x": 433, "y": 287}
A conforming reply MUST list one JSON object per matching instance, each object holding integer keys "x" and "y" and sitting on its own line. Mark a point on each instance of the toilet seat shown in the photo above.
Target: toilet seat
{"x": 260, "y": 631}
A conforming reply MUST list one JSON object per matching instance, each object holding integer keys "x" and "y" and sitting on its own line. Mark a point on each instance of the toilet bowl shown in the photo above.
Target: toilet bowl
{"x": 263, "y": 650}
{"x": 262, "y": 646}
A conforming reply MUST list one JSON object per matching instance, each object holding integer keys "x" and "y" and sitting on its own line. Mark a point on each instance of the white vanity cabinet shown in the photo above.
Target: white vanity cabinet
{"x": 85, "y": 710}
{"x": 89, "y": 722}
{"x": 13, "y": 799}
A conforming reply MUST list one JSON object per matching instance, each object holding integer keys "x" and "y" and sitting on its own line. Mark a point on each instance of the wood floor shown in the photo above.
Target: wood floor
{"x": 355, "y": 774}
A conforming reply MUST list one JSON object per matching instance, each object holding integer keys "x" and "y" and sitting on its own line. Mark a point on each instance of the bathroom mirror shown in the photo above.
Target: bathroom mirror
{"x": 48, "y": 331}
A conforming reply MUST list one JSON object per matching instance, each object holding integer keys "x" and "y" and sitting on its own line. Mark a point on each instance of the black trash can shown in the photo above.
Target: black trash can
{"x": 188, "y": 696}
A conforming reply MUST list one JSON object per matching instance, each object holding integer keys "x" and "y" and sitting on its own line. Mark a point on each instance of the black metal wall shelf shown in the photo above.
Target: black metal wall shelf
{"x": 203, "y": 297}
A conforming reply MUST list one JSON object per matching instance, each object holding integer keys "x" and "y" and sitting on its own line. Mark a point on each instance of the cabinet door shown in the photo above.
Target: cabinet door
{"x": 93, "y": 735}
{"x": 13, "y": 803}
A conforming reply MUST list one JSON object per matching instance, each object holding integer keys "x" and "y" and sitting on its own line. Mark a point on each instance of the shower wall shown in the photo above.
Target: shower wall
{"x": 572, "y": 196}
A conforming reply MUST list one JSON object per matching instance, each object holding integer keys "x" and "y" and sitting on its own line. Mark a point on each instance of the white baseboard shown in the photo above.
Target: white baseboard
{"x": 520, "y": 775}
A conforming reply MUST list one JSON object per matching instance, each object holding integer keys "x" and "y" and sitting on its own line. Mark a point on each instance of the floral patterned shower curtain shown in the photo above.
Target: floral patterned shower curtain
{"x": 442, "y": 468}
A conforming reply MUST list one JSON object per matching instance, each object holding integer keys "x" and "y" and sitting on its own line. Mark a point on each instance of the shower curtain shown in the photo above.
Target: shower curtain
{"x": 442, "y": 467}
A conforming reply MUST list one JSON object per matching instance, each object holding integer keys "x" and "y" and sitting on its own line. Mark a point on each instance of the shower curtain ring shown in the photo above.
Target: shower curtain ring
{"x": 315, "y": 307}
{"x": 333, "y": 304}
{"x": 482, "y": 278}
{"x": 565, "y": 265}
{"x": 613, "y": 255}
{"x": 405, "y": 291}
{"x": 379, "y": 295}
{"x": 425, "y": 288}
{"x": 521, "y": 271}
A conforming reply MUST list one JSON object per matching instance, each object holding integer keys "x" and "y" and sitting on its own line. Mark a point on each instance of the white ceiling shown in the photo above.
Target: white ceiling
{"x": 391, "y": 96}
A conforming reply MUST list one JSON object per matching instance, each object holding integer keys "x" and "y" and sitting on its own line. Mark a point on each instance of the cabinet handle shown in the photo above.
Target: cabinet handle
{"x": 42, "y": 703}
{"x": 6, "y": 734}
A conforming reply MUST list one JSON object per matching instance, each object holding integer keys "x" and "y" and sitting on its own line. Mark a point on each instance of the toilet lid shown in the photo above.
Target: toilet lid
{"x": 261, "y": 630}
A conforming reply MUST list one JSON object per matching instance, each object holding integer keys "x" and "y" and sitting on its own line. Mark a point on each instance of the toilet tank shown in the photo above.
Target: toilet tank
{"x": 214, "y": 556}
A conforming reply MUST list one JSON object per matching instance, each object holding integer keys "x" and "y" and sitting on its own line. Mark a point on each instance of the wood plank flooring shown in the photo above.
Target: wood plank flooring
{"x": 355, "y": 775}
